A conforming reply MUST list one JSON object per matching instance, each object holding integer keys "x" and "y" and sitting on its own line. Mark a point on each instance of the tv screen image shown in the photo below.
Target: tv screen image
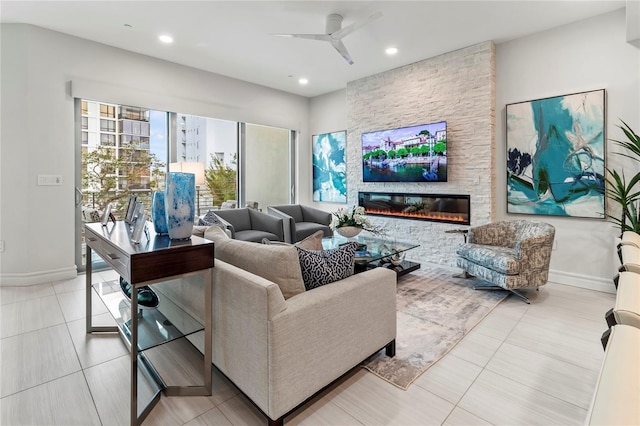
{"x": 406, "y": 154}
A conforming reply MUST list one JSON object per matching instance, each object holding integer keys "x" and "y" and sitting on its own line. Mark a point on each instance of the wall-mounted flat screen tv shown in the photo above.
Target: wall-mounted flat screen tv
{"x": 406, "y": 154}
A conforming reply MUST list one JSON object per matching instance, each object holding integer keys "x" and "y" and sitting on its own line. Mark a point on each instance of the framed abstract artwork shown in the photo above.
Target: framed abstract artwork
{"x": 330, "y": 167}
{"x": 556, "y": 155}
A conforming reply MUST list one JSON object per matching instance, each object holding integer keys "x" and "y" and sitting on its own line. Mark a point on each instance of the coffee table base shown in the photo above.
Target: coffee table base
{"x": 404, "y": 268}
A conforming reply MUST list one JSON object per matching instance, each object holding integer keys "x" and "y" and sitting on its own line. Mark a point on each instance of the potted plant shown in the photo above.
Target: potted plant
{"x": 625, "y": 194}
{"x": 350, "y": 222}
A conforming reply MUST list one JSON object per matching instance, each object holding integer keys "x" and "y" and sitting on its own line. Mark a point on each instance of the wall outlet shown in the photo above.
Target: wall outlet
{"x": 49, "y": 180}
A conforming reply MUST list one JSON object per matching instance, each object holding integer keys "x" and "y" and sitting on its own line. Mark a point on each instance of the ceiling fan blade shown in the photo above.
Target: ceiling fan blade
{"x": 339, "y": 46}
{"x": 356, "y": 25}
{"x": 322, "y": 37}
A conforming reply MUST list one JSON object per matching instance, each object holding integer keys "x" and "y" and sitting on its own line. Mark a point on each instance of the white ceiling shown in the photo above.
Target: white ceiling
{"x": 234, "y": 38}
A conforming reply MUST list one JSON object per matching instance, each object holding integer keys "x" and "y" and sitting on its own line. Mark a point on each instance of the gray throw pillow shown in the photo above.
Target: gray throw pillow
{"x": 321, "y": 267}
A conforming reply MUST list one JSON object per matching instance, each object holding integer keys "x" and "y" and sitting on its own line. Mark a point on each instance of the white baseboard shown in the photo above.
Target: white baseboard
{"x": 582, "y": 281}
{"x": 33, "y": 278}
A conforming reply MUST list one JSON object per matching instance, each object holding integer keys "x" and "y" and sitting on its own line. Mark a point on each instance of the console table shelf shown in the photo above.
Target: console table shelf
{"x": 156, "y": 330}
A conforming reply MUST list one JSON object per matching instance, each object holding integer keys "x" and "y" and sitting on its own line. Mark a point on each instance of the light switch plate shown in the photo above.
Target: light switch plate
{"x": 49, "y": 180}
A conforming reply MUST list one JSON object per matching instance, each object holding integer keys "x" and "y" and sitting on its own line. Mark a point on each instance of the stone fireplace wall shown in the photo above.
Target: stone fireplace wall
{"x": 457, "y": 87}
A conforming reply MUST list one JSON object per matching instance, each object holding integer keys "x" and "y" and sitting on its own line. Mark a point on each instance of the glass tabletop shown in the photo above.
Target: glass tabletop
{"x": 371, "y": 248}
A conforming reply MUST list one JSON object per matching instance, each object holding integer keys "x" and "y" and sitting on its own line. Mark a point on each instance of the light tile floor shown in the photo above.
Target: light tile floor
{"x": 523, "y": 364}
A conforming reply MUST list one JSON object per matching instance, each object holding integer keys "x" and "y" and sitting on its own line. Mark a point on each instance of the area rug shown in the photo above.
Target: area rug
{"x": 435, "y": 311}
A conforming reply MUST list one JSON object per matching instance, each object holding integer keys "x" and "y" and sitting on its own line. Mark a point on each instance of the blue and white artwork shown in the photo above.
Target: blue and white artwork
{"x": 556, "y": 156}
{"x": 330, "y": 167}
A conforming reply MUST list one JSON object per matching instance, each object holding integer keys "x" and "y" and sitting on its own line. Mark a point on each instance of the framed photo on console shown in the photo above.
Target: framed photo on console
{"x": 130, "y": 209}
{"x": 330, "y": 167}
{"x": 556, "y": 155}
{"x": 107, "y": 215}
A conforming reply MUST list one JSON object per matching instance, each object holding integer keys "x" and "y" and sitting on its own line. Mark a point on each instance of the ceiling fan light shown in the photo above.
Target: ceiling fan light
{"x": 391, "y": 51}
{"x": 167, "y": 39}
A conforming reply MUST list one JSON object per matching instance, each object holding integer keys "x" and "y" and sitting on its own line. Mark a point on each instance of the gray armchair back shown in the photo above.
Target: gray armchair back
{"x": 251, "y": 225}
{"x": 301, "y": 221}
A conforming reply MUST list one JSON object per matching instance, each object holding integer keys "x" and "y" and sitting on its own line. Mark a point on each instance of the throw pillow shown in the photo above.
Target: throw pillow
{"x": 312, "y": 242}
{"x": 276, "y": 263}
{"x": 210, "y": 219}
{"x": 199, "y": 230}
{"x": 320, "y": 267}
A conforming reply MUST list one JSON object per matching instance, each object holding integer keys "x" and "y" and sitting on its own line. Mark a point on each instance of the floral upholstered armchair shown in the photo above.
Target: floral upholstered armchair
{"x": 509, "y": 254}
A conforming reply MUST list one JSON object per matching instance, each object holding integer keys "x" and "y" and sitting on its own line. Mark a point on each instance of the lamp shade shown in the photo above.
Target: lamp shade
{"x": 193, "y": 167}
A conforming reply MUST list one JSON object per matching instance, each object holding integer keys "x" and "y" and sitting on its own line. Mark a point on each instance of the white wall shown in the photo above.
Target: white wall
{"x": 37, "y": 222}
{"x": 587, "y": 55}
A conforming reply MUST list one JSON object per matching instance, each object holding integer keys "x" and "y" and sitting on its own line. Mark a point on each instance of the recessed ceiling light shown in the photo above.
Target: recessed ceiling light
{"x": 165, "y": 38}
{"x": 303, "y": 81}
{"x": 391, "y": 50}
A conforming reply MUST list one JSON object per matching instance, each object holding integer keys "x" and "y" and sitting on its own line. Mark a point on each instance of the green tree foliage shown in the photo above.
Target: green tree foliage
{"x": 424, "y": 132}
{"x": 402, "y": 152}
{"x": 221, "y": 180}
{"x": 392, "y": 153}
{"x": 415, "y": 151}
{"x": 440, "y": 148}
{"x": 110, "y": 179}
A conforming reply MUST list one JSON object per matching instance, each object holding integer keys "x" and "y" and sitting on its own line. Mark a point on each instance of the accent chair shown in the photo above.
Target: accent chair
{"x": 301, "y": 221}
{"x": 508, "y": 254}
{"x": 251, "y": 225}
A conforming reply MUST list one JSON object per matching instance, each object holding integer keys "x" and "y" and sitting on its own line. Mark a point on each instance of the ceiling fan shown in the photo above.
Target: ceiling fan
{"x": 335, "y": 33}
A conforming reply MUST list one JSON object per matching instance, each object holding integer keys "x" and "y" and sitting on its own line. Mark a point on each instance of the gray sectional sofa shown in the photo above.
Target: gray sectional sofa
{"x": 277, "y": 342}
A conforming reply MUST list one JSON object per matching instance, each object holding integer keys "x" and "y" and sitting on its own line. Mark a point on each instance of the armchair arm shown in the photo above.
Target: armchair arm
{"x": 311, "y": 214}
{"x": 228, "y": 226}
{"x": 288, "y": 224}
{"x": 263, "y": 222}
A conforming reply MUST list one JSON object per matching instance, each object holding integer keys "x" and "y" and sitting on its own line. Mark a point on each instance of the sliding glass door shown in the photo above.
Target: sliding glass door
{"x": 120, "y": 151}
{"x": 267, "y": 165}
{"x": 126, "y": 150}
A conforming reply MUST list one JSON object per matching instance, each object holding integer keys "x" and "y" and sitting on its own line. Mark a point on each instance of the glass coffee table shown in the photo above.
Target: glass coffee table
{"x": 376, "y": 252}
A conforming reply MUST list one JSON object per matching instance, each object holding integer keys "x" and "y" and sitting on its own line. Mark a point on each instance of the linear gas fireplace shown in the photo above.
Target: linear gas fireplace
{"x": 447, "y": 208}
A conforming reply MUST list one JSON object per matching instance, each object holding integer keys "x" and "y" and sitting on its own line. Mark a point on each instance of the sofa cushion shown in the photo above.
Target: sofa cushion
{"x": 275, "y": 263}
{"x": 500, "y": 259}
{"x": 320, "y": 267}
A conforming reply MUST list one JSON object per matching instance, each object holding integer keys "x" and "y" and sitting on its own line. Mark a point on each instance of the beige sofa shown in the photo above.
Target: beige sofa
{"x": 280, "y": 345}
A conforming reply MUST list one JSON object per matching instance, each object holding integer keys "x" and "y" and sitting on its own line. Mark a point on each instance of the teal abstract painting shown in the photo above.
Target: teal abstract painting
{"x": 330, "y": 167}
{"x": 556, "y": 155}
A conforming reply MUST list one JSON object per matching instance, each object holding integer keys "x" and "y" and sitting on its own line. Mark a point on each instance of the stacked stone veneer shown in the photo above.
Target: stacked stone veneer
{"x": 457, "y": 87}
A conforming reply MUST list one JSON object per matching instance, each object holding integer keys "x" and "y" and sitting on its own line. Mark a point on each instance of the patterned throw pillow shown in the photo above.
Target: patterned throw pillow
{"x": 320, "y": 267}
{"x": 210, "y": 219}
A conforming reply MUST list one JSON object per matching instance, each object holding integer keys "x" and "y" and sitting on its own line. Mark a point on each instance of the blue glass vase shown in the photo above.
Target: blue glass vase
{"x": 179, "y": 203}
{"x": 158, "y": 213}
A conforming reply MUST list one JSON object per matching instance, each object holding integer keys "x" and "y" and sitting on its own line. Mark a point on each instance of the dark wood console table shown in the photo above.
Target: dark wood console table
{"x": 154, "y": 260}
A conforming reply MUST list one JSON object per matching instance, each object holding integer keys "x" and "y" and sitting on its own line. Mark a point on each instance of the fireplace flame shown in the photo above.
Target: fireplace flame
{"x": 435, "y": 216}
